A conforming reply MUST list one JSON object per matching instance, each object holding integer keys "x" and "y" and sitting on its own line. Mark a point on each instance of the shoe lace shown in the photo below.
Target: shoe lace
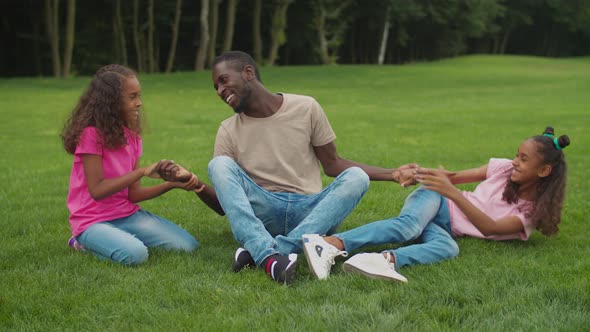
{"x": 333, "y": 252}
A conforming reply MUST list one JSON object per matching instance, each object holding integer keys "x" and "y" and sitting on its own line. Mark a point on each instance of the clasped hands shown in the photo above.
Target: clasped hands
{"x": 430, "y": 178}
{"x": 170, "y": 171}
{"x": 405, "y": 175}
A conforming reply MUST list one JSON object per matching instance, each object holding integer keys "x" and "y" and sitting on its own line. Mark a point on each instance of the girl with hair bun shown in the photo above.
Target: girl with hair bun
{"x": 514, "y": 198}
{"x": 103, "y": 135}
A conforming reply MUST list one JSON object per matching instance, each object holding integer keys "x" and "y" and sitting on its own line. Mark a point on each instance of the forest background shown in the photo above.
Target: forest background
{"x": 62, "y": 38}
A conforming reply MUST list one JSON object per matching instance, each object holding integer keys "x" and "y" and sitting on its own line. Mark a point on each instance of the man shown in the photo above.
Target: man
{"x": 266, "y": 173}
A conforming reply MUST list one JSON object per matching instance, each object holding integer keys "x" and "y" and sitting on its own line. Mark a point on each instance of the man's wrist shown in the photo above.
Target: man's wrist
{"x": 200, "y": 188}
{"x": 395, "y": 175}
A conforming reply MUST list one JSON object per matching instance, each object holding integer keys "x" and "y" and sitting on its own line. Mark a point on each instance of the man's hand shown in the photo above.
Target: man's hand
{"x": 171, "y": 171}
{"x": 405, "y": 175}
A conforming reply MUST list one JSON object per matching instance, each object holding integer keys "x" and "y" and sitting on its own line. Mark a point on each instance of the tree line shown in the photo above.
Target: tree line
{"x": 67, "y": 37}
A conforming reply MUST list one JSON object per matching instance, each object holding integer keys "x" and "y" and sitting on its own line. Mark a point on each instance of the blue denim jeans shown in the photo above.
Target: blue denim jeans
{"x": 267, "y": 223}
{"x": 424, "y": 218}
{"x": 126, "y": 240}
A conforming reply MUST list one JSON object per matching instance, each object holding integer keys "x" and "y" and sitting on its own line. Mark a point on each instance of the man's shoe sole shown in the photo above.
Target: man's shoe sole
{"x": 349, "y": 268}
{"x": 289, "y": 274}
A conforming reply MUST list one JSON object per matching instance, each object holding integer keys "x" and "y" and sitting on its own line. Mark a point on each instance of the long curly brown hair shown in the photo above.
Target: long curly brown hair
{"x": 548, "y": 203}
{"x": 100, "y": 107}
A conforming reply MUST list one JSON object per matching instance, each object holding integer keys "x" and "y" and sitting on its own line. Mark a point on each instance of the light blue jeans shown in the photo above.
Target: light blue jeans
{"x": 126, "y": 240}
{"x": 267, "y": 223}
{"x": 424, "y": 218}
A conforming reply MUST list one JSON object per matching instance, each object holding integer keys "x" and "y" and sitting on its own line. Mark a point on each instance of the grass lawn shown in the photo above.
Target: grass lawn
{"x": 457, "y": 113}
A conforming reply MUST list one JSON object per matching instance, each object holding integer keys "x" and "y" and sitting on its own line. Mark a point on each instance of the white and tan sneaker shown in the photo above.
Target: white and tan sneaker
{"x": 320, "y": 255}
{"x": 373, "y": 265}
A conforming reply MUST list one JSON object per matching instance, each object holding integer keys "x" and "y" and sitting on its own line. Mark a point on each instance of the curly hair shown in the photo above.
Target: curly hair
{"x": 550, "y": 194}
{"x": 100, "y": 107}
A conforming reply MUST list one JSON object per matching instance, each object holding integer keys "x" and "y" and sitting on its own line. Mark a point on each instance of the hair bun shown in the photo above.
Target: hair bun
{"x": 563, "y": 141}
{"x": 549, "y": 131}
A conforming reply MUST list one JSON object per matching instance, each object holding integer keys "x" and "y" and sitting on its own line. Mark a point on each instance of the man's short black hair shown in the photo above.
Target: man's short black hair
{"x": 238, "y": 60}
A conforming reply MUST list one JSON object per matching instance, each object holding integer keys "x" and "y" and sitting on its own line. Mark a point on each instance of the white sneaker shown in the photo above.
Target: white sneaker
{"x": 320, "y": 255}
{"x": 373, "y": 265}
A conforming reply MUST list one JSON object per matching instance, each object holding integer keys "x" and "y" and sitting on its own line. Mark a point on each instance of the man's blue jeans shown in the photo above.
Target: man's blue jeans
{"x": 267, "y": 223}
{"x": 126, "y": 240}
{"x": 424, "y": 217}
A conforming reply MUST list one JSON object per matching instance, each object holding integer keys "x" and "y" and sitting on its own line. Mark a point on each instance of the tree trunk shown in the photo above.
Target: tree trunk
{"x": 120, "y": 41}
{"x": 548, "y": 43}
{"x": 213, "y": 22}
{"x": 495, "y": 47}
{"x": 37, "y": 48}
{"x": 137, "y": 37}
{"x": 69, "y": 47}
{"x": 384, "y": 39}
{"x": 229, "y": 24}
{"x": 331, "y": 25}
{"x": 116, "y": 44}
{"x": 353, "y": 56}
{"x": 505, "y": 38}
{"x": 175, "y": 25}
{"x": 256, "y": 35}
{"x": 51, "y": 13}
{"x": 204, "y": 41}
{"x": 320, "y": 22}
{"x": 279, "y": 23}
{"x": 151, "y": 50}
{"x": 157, "y": 54}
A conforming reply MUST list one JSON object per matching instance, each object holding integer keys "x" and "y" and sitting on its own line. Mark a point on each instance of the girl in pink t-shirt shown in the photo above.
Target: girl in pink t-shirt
{"x": 103, "y": 134}
{"x": 514, "y": 198}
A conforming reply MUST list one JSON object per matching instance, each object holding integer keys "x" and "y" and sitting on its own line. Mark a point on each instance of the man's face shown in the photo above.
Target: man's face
{"x": 231, "y": 86}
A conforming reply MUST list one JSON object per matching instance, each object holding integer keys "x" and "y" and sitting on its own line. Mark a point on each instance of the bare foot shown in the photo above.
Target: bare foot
{"x": 336, "y": 242}
{"x": 389, "y": 257}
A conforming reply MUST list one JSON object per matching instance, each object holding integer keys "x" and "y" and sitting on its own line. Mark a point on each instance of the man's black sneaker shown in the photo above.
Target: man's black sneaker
{"x": 242, "y": 259}
{"x": 281, "y": 268}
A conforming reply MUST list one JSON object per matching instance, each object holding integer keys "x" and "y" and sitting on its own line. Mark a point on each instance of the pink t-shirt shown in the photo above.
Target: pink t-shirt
{"x": 84, "y": 210}
{"x": 487, "y": 196}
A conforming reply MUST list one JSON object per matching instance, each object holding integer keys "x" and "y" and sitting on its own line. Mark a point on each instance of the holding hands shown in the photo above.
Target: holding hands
{"x": 437, "y": 180}
{"x": 170, "y": 171}
{"x": 405, "y": 175}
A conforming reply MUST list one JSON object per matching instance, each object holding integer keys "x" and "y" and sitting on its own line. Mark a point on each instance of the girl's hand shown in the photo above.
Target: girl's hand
{"x": 189, "y": 185}
{"x": 151, "y": 171}
{"x": 192, "y": 185}
{"x": 405, "y": 175}
{"x": 437, "y": 180}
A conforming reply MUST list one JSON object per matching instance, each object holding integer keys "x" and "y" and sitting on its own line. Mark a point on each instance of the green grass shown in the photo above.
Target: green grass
{"x": 456, "y": 113}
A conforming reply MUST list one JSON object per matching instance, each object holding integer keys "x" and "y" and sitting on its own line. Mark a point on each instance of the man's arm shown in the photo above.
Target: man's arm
{"x": 333, "y": 165}
{"x": 208, "y": 196}
{"x": 170, "y": 171}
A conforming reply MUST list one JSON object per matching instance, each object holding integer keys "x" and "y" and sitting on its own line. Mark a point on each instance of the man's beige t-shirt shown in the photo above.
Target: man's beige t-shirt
{"x": 277, "y": 151}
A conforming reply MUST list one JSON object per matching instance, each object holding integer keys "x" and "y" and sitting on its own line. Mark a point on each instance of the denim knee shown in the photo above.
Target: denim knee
{"x": 410, "y": 228}
{"x": 357, "y": 178}
{"x": 447, "y": 247}
{"x": 452, "y": 248}
{"x": 131, "y": 255}
{"x": 220, "y": 163}
{"x": 188, "y": 244}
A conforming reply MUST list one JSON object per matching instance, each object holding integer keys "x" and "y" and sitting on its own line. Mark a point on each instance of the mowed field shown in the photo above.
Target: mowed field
{"x": 457, "y": 113}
